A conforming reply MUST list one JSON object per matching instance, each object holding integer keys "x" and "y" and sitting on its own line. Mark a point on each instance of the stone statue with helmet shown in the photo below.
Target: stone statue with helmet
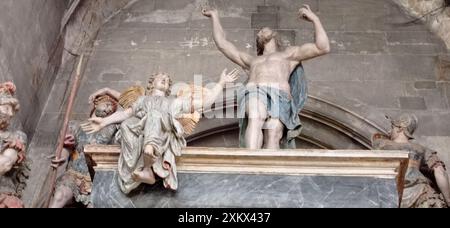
{"x": 426, "y": 180}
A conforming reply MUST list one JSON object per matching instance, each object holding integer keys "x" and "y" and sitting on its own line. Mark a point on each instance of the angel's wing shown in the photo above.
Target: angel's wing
{"x": 190, "y": 121}
{"x": 130, "y": 96}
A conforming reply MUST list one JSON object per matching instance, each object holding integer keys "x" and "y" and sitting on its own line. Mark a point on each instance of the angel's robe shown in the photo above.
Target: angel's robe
{"x": 154, "y": 123}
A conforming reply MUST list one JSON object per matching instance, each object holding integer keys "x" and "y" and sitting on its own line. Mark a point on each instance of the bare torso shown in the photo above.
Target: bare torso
{"x": 272, "y": 70}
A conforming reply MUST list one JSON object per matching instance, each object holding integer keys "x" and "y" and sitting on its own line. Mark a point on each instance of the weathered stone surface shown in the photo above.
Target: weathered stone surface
{"x": 412, "y": 103}
{"x": 289, "y": 20}
{"x": 59, "y": 103}
{"x": 249, "y": 5}
{"x": 250, "y": 191}
{"x": 143, "y": 6}
{"x": 37, "y": 79}
{"x": 433, "y": 125}
{"x": 29, "y": 53}
{"x": 401, "y": 67}
{"x": 230, "y": 20}
{"x": 414, "y": 42}
{"x": 366, "y": 92}
{"x": 439, "y": 21}
{"x": 126, "y": 40}
{"x": 369, "y": 23}
{"x": 425, "y": 85}
{"x": 399, "y": 20}
{"x": 435, "y": 98}
{"x": 348, "y": 7}
{"x": 293, "y": 6}
{"x": 268, "y": 9}
{"x": 357, "y": 42}
{"x": 261, "y": 20}
{"x": 446, "y": 89}
{"x": 443, "y": 68}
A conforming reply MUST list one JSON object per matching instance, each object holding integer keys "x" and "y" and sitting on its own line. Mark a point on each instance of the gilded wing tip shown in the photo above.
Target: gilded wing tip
{"x": 130, "y": 96}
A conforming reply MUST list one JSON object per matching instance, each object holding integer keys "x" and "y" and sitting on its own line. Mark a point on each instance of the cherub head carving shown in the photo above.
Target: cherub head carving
{"x": 161, "y": 82}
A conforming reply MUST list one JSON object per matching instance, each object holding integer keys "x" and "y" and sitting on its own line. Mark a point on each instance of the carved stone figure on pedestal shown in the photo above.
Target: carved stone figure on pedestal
{"x": 75, "y": 181}
{"x": 426, "y": 181}
{"x": 13, "y": 170}
{"x": 276, "y": 91}
{"x": 152, "y": 131}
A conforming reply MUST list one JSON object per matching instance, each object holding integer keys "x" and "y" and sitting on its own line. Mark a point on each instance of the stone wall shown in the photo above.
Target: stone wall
{"x": 84, "y": 21}
{"x": 376, "y": 60}
{"x": 378, "y": 65}
{"x": 81, "y": 23}
{"x": 30, "y": 52}
{"x": 437, "y": 17}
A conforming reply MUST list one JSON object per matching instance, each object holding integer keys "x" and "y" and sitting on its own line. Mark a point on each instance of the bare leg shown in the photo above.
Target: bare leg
{"x": 443, "y": 182}
{"x": 146, "y": 175}
{"x": 257, "y": 114}
{"x": 63, "y": 196}
{"x": 273, "y": 134}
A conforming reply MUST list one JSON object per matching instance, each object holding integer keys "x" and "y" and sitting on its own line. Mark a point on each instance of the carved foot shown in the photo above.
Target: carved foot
{"x": 145, "y": 176}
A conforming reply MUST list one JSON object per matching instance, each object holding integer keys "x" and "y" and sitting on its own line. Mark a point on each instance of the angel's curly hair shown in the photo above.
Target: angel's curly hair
{"x": 151, "y": 80}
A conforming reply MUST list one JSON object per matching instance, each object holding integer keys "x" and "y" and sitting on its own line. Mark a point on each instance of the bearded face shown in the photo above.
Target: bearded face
{"x": 265, "y": 36}
{"x": 104, "y": 109}
{"x": 6, "y": 114}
